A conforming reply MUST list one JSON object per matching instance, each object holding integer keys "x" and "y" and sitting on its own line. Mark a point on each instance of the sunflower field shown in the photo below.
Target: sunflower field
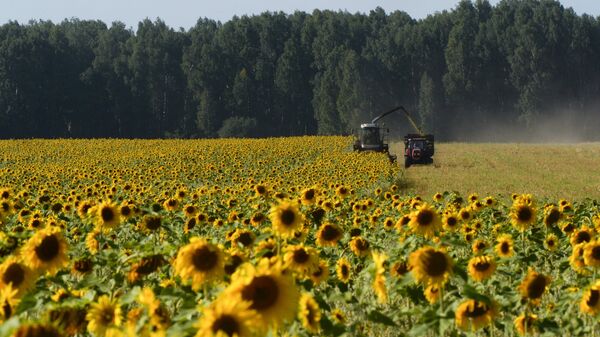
{"x": 277, "y": 237}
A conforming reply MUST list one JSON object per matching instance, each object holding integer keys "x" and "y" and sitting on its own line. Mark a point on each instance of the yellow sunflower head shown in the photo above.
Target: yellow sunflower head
{"x": 581, "y": 235}
{"x": 104, "y": 316}
{"x": 269, "y": 289}
{"x": 590, "y": 301}
{"x": 552, "y": 216}
{"x": 343, "y": 270}
{"x": 46, "y": 251}
{"x": 17, "y": 274}
{"x": 504, "y": 247}
{"x": 309, "y": 313}
{"x": 359, "y": 246}
{"x": 430, "y": 266}
{"x": 199, "y": 262}
{"x": 301, "y": 259}
{"x": 591, "y": 254}
{"x": 481, "y": 267}
{"x": 523, "y": 215}
{"x": 425, "y": 221}
{"x": 472, "y": 315}
{"x": 551, "y": 242}
{"x": 37, "y": 329}
{"x": 309, "y": 196}
{"x": 107, "y": 215}
{"x": 329, "y": 234}
{"x": 286, "y": 219}
{"x": 228, "y": 317}
{"x": 525, "y": 325}
{"x": 321, "y": 273}
{"x": 534, "y": 286}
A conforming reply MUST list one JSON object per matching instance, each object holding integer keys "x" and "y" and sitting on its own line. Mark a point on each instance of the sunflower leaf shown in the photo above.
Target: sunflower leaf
{"x": 378, "y": 317}
{"x": 470, "y": 292}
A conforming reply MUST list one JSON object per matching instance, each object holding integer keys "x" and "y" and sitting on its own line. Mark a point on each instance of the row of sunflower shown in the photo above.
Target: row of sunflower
{"x": 293, "y": 236}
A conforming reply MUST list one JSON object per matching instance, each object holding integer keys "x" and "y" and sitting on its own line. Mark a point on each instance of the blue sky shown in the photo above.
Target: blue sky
{"x": 184, "y": 13}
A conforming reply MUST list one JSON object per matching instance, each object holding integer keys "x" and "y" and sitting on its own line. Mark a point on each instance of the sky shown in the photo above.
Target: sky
{"x": 185, "y": 13}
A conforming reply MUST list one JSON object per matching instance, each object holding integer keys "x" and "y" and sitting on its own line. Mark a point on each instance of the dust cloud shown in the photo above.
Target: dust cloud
{"x": 561, "y": 126}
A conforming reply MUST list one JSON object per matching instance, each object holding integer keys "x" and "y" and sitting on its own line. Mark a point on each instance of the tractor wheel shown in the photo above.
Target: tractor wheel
{"x": 407, "y": 162}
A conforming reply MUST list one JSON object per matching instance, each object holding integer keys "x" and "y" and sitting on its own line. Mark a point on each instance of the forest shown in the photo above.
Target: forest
{"x": 515, "y": 65}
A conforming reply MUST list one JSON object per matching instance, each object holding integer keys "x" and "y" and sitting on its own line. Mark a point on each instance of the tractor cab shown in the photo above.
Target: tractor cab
{"x": 371, "y": 137}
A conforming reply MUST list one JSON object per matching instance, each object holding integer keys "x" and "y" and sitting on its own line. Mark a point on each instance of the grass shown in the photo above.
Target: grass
{"x": 555, "y": 171}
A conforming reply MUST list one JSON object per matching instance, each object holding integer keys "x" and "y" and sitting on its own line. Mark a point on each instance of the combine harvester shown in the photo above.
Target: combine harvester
{"x": 418, "y": 147}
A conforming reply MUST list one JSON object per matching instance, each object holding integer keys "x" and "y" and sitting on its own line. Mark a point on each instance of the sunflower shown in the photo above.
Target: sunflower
{"x": 568, "y": 228}
{"x": 270, "y": 290}
{"x": 359, "y": 246}
{"x": 338, "y": 316}
{"x": 437, "y": 197}
{"x": 309, "y": 196}
{"x": 342, "y": 192}
{"x": 17, "y": 274}
{"x": 481, "y": 267}
{"x": 576, "y": 260}
{"x": 379, "y": 280}
{"x": 321, "y": 273}
{"x": 432, "y": 294}
{"x": 36, "y": 330}
{"x": 329, "y": 234}
{"x": 525, "y": 325}
{"x": 551, "y": 242}
{"x": 450, "y": 221}
{"x": 107, "y": 215}
{"x": 190, "y": 210}
{"x": 388, "y": 223}
{"x": 286, "y": 219}
{"x": 465, "y": 214}
{"x": 230, "y": 318}
{"x": 309, "y": 313}
{"x": 584, "y": 234}
{"x": 504, "y": 247}
{"x": 125, "y": 211}
{"x": 234, "y": 259}
{"x": 534, "y": 285}
{"x": 522, "y": 216}
{"x": 171, "y": 204}
{"x": 8, "y": 302}
{"x": 199, "y": 262}
{"x": 472, "y": 315}
{"x": 590, "y": 301}
{"x": 430, "y": 266}
{"x": 151, "y": 223}
{"x": 104, "y": 316}
{"x": 243, "y": 238}
{"x": 71, "y": 320}
{"x": 91, "y": 241}
{"x": 46, "y": 251}
{"x": 399, "y": 269}
{"x": 402, "y": 222}
{"x": 591, "y": 254}
{"x": 479, "y": 246}
{"x": 552, "y": 216}
{"x": 343, "y": 270}
{"x": 300, "y": 259}
{"x": 425, "y": 221}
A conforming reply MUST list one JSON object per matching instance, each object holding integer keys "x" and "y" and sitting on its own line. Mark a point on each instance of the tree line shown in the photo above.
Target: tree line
{"x": 516, "y": 64}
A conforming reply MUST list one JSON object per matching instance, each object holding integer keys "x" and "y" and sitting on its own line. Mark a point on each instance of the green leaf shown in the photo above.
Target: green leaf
{"x": 378, "y": 317}
{"x": 470, "y": 292}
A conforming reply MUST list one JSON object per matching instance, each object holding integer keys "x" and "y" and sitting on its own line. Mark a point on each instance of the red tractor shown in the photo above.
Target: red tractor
{"x": 418, "y": 147}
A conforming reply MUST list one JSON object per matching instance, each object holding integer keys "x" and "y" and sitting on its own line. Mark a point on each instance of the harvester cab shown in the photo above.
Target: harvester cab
{"x": 418, "y": 147}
